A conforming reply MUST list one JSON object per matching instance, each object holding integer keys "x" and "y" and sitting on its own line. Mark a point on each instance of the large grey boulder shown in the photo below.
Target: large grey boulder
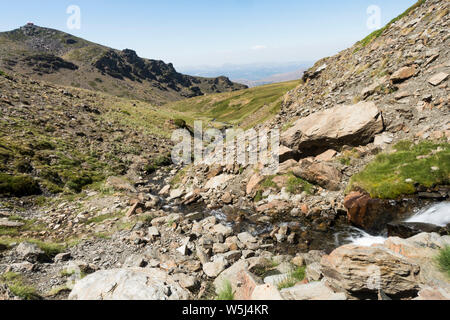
{"x": 342, "y": 125}
{"x": 128, "y": 284}
{"x": 31, "y": 253}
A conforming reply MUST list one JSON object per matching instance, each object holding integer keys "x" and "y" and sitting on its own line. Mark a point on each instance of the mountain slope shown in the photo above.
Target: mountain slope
{"x": 66, "y": 138}
{"x": 391, "y": 67}
{"x": 243, "y": 108}
{"x": 58, "y": 57}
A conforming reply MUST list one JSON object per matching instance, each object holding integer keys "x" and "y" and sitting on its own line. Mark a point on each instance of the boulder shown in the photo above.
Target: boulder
{"x": 213, "y": 269}
{"x": 285, "y": 154}
{"x": 437, "y": 79}
{"x": 352, "y": 125}
{"x": 313, "y": 272}
{"x": 266, "y": 292}
{"x": 363, "y": 271}
{"x": 320, "y": 173}
{"x": 128, "y": 284}
{"x": 327, "y": 155}
{"x": 242, "y": 281}
{"x": 311, "y": 291}
{"x": 254, "y": 181}
{"x": 422, "y": 249}
{"x": 373, "y": 214}
{"x": 218, "y": 181}
{"x": 404, "y": 74}
{"x": 31, "y": 253}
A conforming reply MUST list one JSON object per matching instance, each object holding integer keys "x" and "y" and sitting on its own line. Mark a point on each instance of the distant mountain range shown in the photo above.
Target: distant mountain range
{"x": 55, "y": 56}
{"x": 253, "y": 74}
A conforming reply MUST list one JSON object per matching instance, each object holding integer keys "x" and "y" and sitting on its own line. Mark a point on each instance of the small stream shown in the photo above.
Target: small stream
{"x": 436, "y": 214}
{"x": 309, "y": 236}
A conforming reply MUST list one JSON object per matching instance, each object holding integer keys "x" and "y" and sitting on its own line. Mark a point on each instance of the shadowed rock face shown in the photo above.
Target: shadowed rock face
{"x": 343, "y": 125}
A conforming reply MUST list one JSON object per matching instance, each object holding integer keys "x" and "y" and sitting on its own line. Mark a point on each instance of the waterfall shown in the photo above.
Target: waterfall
{"x": 437, "y": 214}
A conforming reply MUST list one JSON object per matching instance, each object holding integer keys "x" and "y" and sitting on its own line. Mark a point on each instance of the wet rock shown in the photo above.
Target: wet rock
{"x": 407, "y": 230}
{"x": 128, "y": 284}
{"x": 373, "y": 214}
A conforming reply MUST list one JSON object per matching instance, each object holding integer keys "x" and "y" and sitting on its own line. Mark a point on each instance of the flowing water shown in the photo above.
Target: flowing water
{"x": 436, "y": 214}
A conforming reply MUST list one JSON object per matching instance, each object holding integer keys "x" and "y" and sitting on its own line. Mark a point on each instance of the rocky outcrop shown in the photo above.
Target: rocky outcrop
{"x": 363, "y": 271}
{"x": 321, "y": 173}
{"x": 342, "y": 125}
{"x": 422, "y": 249}
{"x": 373, "y": 214}
{"x": 128, "y": 284}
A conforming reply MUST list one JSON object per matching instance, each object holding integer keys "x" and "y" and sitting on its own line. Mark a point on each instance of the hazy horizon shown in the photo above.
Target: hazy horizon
{"x": 201, "y": 33}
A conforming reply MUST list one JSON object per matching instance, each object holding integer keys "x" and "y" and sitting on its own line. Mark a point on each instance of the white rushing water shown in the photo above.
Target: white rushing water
{"x": 438, "y": 214}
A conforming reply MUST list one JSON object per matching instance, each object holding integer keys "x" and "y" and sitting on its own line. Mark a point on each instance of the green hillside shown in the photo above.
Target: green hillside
{"x": 244, "y": 108}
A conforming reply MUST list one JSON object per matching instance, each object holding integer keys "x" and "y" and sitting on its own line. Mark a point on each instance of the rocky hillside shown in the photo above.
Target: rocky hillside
{"x": 67, "y": 138}
{"x": 58, "y": 57}
{"x": 357, "y": 210}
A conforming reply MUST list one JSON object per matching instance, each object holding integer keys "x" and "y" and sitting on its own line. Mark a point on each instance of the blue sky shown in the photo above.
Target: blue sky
{"x": 211, "y": 32}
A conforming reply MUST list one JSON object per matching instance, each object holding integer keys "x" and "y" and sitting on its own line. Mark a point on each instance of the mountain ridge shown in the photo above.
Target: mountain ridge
{"x": 58, "y": 57}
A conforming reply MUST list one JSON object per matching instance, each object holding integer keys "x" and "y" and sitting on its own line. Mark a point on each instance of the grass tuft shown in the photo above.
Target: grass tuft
{"x": 18, "y": 287}
{"x": 226, "y": 292}
{"x": 294, "y": 277}
{"x": 443, "y": 260}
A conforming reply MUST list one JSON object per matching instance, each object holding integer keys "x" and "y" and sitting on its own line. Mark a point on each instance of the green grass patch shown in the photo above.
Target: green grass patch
{"x": 293, "y": 278}
{"x": 226, "y": 292}
{"x": 156, "y": 163}
{"x": 51, "y": 249}
{"x": 297, "y": 185}
{"x": 19, "y": 287}
{"x": 243, "y": 108}
{"x": 399, "y": 173}
{"x": 18, "y": 185}
{"x": 443, "y": 260}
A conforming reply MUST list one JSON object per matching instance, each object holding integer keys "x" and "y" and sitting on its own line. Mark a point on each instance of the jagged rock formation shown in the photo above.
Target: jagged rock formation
{"x": 58, "y": 57}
